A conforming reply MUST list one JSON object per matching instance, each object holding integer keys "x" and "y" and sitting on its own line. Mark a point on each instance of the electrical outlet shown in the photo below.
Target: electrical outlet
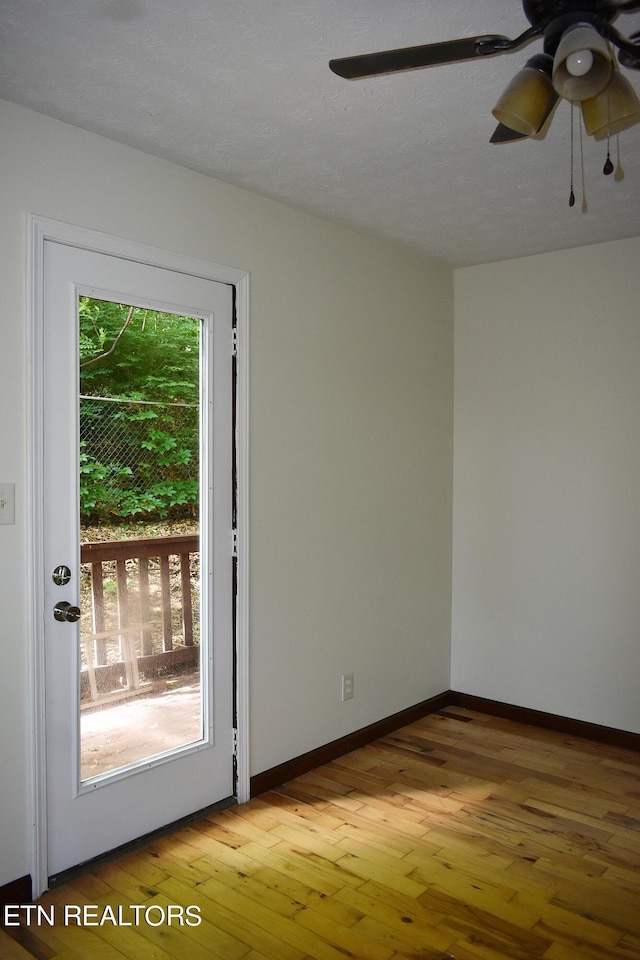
{"x": 347, "y": 686}
{"x": 7, "y": 503}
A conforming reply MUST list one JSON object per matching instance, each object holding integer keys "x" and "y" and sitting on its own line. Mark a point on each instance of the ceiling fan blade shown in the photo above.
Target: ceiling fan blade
{"x": 503, "y": 134}
{"x": 629, "y": 48}
{"x": 414, "y": 58}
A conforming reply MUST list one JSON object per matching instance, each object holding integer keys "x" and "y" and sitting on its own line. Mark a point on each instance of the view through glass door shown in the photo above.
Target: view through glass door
{"x": 137, "y": 561}
{"x": 139, "y": 483}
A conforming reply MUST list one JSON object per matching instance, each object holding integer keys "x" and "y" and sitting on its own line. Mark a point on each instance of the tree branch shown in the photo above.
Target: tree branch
{"x": 113, "y": 345}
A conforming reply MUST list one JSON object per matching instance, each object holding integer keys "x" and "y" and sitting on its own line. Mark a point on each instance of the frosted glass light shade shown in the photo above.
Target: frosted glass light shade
{"x": 615, "y": 109}
{"x": 575, "y": 44}
{"x": 528, "y": 98}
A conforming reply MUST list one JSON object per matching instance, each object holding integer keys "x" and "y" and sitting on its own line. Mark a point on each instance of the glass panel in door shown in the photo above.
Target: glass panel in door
{"x": 140, "y": 434}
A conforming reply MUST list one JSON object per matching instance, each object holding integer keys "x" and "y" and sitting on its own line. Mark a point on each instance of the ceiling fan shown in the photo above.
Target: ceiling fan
{"x": 577, "y": 64}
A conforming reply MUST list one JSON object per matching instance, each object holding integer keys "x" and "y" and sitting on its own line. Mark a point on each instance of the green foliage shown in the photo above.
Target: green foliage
{"x": 156, "y": 358}
{"x": 137, "y": 460}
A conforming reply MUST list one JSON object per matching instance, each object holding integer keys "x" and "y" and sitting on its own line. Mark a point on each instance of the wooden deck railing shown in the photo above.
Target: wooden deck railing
{"x": 133, "y": 612}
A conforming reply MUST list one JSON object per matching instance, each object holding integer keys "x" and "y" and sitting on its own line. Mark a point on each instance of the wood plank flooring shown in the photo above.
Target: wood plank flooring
{"x": 461, "y": 836}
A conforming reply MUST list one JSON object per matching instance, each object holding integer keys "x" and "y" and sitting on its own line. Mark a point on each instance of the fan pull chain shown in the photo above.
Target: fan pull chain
{"x": 608, "y": 164}
{"x": 619, "y": 174}
{"x": 585, "y": 205}
{"x": 572, "y": 196}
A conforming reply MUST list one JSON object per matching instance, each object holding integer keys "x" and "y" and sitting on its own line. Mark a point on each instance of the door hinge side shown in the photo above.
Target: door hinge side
{"x": 235, "y": 742}
{"x": 234, "y": 341}
{"x": 234, "y": 544}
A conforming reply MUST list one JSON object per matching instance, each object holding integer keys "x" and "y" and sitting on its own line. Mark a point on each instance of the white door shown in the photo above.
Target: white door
{"x": 163, "y": 769}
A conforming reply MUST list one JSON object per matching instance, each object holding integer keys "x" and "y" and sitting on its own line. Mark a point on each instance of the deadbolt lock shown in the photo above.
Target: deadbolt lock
{"x": 61, "y": 575}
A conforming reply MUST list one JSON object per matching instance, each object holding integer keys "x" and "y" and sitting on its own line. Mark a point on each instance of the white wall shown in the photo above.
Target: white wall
{"x": 351, "y": 442}
{"x": 546, "y": 569}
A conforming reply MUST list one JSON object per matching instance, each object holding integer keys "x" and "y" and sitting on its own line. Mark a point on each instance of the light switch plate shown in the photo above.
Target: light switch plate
{"x": 7, "y": 503}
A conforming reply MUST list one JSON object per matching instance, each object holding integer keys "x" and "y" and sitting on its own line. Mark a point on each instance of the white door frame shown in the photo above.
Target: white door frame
{"x": 41, "y": 229}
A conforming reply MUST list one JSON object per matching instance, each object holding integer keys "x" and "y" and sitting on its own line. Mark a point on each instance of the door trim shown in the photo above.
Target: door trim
{"x": 41, "y": 229}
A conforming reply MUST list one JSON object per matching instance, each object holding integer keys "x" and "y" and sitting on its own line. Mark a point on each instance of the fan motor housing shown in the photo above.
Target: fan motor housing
{"x": 540, "y": 13}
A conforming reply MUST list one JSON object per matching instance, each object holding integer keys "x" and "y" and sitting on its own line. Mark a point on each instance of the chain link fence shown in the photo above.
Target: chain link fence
{"x": 138, "y": 459}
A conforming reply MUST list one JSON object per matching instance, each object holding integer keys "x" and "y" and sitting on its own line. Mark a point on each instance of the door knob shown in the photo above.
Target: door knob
{"x": 64, "y": 611}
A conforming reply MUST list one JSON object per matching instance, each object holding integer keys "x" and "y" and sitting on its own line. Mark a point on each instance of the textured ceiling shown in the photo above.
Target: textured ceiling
{"x": 240, "y": 90}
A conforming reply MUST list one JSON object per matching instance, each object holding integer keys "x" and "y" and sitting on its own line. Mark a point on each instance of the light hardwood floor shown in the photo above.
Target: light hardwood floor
{"x": 461, "y": 836}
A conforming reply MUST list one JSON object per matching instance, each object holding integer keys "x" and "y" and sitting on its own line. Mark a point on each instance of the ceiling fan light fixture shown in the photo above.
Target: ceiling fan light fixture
{"x": 582, "y": 64}
{"x": 615, "y": 109}
{"x": 528, "y": 98}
